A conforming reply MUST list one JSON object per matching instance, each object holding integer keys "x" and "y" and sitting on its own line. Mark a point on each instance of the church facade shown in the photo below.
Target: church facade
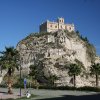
{"x": 49, "y": 26}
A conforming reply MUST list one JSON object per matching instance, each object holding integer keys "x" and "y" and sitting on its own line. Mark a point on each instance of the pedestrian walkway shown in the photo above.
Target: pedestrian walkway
{"x": 4, "y": 95}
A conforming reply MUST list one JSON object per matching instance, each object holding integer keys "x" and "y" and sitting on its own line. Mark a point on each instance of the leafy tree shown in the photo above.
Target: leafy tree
{"x": 86, "y": 39}
{"x": 9, "y": 60}
{"x": 74, "y": 70}
{"x": 95, "y": 70}
{"x": 34, "y": 74}
{"x": 52, "y": 79}
{"x": 78, "y": 33}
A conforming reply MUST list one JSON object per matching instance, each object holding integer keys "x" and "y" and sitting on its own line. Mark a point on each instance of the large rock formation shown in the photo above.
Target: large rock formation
{"x": 4, "y": 72}
{"x": 54, "y": 52}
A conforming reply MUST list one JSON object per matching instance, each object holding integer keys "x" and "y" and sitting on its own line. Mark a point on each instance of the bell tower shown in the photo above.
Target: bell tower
{"x": 60, "y": 20}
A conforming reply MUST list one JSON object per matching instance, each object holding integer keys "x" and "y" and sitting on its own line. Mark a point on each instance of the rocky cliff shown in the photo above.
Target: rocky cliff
{"x": 54, "y": 52}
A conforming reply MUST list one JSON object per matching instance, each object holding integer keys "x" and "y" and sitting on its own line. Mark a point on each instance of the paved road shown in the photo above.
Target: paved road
{"x": 58, "y": 94}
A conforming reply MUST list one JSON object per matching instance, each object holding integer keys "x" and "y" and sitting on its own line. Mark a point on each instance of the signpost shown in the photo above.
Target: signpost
{"x": 26, "y": 92}
{"x": 25, "y": 82}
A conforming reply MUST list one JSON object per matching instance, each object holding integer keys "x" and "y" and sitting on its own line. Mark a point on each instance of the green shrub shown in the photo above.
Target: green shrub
{"x": 85, "y": 88}
{"x": 88, "y": 88}
{"x": 3, "y": 85}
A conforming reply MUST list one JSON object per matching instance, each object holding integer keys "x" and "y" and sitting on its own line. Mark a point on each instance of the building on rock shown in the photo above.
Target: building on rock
{"x": 49, "y": 26}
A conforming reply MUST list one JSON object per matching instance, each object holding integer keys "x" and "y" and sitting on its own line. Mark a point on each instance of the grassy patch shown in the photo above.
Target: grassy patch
{"x": 25, "y": 98}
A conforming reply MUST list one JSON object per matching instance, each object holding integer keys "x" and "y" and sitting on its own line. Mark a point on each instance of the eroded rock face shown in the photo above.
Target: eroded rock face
{"x": 4, "y": 72}
{"x": 54, "y": 51}
{"x": 97, "y": 59}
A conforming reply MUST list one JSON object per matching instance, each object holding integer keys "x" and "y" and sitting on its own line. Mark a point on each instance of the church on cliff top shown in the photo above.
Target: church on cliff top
{"x": 49, "y": 26}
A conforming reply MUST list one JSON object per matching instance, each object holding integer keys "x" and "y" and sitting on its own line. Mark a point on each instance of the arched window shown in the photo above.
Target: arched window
{"x": 50, "y": 25}
{"x": 62, "y": 21}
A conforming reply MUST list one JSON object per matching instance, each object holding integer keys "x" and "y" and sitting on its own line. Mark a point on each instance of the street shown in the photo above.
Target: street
{"x": 56, "y": 94}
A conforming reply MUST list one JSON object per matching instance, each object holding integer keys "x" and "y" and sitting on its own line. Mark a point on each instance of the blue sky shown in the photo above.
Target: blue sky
{"x": 19, "y": 18}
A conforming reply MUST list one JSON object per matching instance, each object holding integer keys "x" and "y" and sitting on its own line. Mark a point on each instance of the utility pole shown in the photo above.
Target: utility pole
{"x": 1, "y": 69}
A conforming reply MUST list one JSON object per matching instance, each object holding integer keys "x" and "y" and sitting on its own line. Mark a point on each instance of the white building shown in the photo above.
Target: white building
{"x": 49, "y": 26}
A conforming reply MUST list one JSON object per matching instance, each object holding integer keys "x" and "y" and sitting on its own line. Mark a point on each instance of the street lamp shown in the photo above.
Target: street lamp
{"x": 1, "y": 69}
{"x": 20, "y": 72}
{"x": 20, "y": 81}
{"x": 20, "y": 77}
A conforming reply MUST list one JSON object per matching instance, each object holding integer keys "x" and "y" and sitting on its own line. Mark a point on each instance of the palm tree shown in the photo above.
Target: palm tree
{"x": 1, "y": 65}
{"x": 74, "y": 70}
{"x": 95, "y": 70}
{"x": 10, "y": 59}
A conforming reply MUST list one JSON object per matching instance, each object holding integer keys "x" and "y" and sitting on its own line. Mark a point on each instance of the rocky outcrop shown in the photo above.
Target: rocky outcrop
{"x": 2, "y": 75}
{"x": 54, "y": 52}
